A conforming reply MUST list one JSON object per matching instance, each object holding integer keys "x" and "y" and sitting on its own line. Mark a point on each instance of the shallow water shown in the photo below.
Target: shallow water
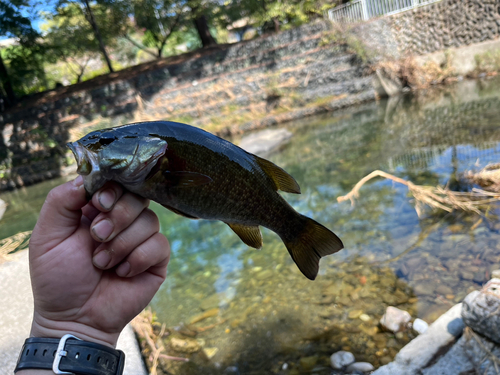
{"x": 268, "y": 313}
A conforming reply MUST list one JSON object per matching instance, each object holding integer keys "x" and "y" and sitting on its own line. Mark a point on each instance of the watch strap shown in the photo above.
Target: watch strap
{"x": 78, "y": 357}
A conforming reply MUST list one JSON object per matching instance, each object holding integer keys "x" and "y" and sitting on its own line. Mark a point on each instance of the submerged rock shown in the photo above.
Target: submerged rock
{"x": 266, "y": 141}
{"x": 360, "y": 367}
{"x": 185, "y": 345}
{"x": 394, "y": 319}
{"x": 308, "y": 363}
{"x": 341, "y": 359}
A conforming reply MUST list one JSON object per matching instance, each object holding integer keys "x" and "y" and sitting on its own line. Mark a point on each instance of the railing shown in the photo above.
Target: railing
{"x": 362, "y": 10}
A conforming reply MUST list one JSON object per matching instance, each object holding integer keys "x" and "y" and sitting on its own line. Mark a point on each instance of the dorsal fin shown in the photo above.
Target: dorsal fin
{"x": 249, "y": 235}
{"x": 281, "y": 179}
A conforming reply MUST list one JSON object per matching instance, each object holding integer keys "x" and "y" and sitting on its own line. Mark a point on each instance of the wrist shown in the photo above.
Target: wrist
{"x": 43, "y": 327}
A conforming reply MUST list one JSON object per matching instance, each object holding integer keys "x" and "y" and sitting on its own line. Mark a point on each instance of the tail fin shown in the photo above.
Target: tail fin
{"x": 309, "y": 245}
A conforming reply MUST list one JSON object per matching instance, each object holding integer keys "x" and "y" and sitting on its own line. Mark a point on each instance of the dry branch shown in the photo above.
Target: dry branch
{"x": 435, "y": 197}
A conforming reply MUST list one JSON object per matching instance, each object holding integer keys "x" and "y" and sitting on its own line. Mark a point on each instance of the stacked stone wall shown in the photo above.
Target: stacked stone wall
{"x": 446, "y": 24}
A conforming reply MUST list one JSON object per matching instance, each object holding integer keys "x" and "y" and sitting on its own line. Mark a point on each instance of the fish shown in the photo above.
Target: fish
{"x": 200, "y": 176}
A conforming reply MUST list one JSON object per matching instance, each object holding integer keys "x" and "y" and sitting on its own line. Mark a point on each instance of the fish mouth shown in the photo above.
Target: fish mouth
{"x": 84, "y": 159}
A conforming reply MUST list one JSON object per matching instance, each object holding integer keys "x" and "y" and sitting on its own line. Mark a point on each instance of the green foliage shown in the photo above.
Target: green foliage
{"x": 159, "y": 19}
{"x": 270, "y": 15}
{"x": 26, "y": 68}
{"x": 488, "y": 61}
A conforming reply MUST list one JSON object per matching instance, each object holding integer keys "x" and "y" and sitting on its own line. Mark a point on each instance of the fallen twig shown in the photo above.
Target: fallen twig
{"x": 435, "y": 197}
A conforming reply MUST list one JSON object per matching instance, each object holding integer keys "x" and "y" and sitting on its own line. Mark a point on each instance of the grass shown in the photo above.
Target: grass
{"x": 488, "y": 62}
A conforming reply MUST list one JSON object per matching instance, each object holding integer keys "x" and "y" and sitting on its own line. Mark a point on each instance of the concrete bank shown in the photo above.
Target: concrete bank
{"x": 16, "y": 310}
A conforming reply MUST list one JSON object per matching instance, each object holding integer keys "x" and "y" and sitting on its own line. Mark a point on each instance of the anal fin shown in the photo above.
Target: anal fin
{"x": 248, "y": 234}
{"x": 280, "y": 177}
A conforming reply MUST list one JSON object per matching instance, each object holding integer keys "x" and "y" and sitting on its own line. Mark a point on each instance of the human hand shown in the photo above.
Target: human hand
{"x": 94, "y": 265}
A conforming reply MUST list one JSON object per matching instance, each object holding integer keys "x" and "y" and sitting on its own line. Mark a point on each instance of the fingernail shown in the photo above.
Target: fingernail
{"x": 102, "y": 259}
{"x": 78, "y": 181}
{"x": 123, "y": 269}
{"x": 103, "y": 229}
{"x": 107, "y": 198}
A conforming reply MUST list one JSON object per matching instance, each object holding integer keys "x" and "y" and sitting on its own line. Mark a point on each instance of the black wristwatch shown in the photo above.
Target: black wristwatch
{"x": 70, "y": 355}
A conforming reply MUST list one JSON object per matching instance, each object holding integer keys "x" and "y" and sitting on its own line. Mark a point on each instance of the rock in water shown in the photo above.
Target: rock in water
{"x": 420, "y": 326}
{"x": 481, "y": 310}
{"x": 394, "y": 319}
{"x": 266, "y": 141}
{"x": 341, "y": 359}
{"x": 360, "y": 367}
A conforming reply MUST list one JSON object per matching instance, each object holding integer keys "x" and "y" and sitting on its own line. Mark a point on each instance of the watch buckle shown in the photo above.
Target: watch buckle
{"x": 61, "y": 352}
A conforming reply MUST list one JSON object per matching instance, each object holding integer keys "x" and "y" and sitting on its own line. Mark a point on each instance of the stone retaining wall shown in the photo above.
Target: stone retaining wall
{"x": 442, "y": 25}
{"x": 449, "y": 23}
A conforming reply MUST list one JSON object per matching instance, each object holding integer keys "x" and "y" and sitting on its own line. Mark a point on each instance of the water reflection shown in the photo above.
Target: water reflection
{"x": 269, "y": 314}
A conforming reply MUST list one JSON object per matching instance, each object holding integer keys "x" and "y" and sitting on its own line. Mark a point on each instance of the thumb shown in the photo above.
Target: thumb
{"x": 60, "y": 215}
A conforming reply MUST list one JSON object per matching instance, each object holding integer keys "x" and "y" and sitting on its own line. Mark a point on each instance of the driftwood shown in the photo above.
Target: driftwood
{"x": 488, "y": 178}
{"x": 434, "y": 197}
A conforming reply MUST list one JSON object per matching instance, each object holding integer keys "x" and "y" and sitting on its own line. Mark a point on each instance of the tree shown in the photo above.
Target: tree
{"x": 160, "y": 19}
{"x": 108, "y": 14}
{"x": 14, "y": 25}
{"x": 199, "y": 9}
{"x": 70, "y": 37}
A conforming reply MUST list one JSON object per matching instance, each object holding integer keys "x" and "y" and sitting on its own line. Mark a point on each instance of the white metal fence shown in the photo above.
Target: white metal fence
{"x": 362, "y": 10}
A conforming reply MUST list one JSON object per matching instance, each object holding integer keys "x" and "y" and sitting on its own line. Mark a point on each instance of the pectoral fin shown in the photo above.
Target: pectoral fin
{"x": 281, "y": 179}
{"x": 186, "y": 179}
{"x": 249, "y": 235}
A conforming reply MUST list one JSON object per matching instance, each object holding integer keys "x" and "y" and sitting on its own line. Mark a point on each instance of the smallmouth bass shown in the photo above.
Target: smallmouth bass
{"x": 201, "y": 176}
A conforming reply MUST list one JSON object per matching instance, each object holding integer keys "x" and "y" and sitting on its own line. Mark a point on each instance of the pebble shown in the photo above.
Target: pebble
{"x": 185, "y": 345}
{"x": 424, "y": 288}
{"x": 210, "y": 352}
{"x": 355, "y": 314}
{"x": 444, "y": 290}
{"x": 466, "y": 275}
{"x": 308, "y": 363}
{"x": 365, "y": 317}
{"x": 395, "y": 319}
{"x": 360, "y": 367}
{"x": 341, "y": 359}
{"x": 420, "y": 325}
{"x": 495, "y": 274}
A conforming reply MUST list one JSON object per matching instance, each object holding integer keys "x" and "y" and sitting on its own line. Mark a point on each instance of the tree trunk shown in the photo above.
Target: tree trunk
{"x": 201, "y": 25}
{"x": 6, "y": 84}
{"x": 276, "y": 25}
{"x": 91, "y": 19}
